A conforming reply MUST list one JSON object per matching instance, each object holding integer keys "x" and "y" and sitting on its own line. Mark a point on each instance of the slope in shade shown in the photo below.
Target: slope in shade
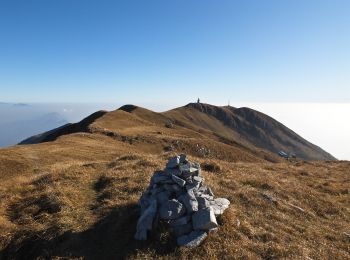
{"x": 256, "y": 128}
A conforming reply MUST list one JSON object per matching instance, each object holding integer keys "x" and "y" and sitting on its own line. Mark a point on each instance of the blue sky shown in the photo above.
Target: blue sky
{"x": 160, "y": 51}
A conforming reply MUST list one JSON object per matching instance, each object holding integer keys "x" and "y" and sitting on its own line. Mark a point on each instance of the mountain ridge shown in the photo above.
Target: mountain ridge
{"x": 242, "y": 126}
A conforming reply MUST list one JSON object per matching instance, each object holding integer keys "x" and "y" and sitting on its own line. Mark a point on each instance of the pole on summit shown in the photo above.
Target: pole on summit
{"x": 198, "y": 101}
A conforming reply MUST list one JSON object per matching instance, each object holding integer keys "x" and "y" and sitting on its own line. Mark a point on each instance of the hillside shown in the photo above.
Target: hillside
{"x": 239, "y": 127}
{"x": 250, "y": 126}
{"x": 74, "y": 194}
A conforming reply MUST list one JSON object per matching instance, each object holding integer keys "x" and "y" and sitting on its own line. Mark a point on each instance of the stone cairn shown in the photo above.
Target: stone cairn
{"x": 177, "y": 196}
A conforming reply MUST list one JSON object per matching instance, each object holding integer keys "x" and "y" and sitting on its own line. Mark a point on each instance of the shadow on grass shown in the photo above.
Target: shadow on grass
{"x": 109, "y": 238}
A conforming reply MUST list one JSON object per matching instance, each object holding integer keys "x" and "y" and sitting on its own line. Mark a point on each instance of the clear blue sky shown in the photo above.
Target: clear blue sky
{"x": 160, "y": 51}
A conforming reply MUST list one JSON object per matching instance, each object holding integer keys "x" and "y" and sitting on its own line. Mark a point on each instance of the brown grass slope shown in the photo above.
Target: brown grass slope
{"x": 76, "y": 196}
{"x": 248, "y": 125}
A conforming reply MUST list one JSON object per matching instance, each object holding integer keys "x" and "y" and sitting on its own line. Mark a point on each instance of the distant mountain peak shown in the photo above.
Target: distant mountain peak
{"x": 128, "y": 108}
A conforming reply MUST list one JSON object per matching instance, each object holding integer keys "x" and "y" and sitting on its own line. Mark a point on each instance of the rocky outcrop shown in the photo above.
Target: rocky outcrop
{"x": 178, "y": 197}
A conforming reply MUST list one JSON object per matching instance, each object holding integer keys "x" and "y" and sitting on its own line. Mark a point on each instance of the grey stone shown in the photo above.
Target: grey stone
{"x": 173, "y": 162}
{"x": 188, "y": 168}
{"x": 182, "y": 229}
{"x": 144, "y": 202}
{"x": 190, "y": 201}
{"x": 177, "y": 188}
{"x": 204, "y": 219}
{"x": 172, "y": 188}
{"x": 183, "y": 158}
{"x": 202, "y": 203}
{"x": 173, "y": 171}
{"x": 208, "y": 197}
{"x": 157, "y": 190}
{"x": 195, "y": 183}
{"x": 162, "y": 197}
{"x": 197, "y": 178}
{"x": 219, "y": 205}
{"x": 180, "y": 221}
{"x": 222, "y": 201}
{"x": 194, "y": 239}
{"x": 178, "y": 180}
{"x": 145, "y": 222}
{"x": 213, "y": 230}
{"x": 160, "y": 177}
{"x": 206, "y": 190}
{"x": 270, "y": 198}
{"x": 171, "y": 209}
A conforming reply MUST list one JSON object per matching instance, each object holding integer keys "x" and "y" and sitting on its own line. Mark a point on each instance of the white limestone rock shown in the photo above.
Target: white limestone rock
{"x": 219, "y": 205}
{"x": 204, "y": 219}
{"x": 190, "y": 201}
{"x": 172, "y": 209}
{"x": 145, "y": 222}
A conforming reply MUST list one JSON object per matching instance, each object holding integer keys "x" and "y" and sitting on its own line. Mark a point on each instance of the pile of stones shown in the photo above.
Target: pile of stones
{"x": 178, "y": 197}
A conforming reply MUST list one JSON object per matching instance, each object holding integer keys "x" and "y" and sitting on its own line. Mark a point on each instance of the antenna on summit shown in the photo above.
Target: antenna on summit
{"x": 228, "y": 102}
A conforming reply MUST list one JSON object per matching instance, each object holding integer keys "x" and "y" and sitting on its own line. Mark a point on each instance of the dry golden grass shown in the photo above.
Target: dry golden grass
{"x": 77, "y": 198}
{"x": 88, "y": 209}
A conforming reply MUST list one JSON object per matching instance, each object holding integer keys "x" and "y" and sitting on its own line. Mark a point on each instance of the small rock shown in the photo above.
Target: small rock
{"x": 162, "y": 197}
{"x": 188, "y": 168}
{"x": 270, "y": 198}
{"x": 183, "y": 158}
{"x": 157, "y": 190}
{"x": 160, "y": 177}
{"x": 145, "y": 222}
{"x": 213, "y": 230}
{"x": 171, "y": 209}
{"x": 204, "y": 219}
{"x": 180, "y": 221}
{"x": 208, "y": 197}
{"x": 194, "y": 183}
{"x": 238, "y": 223}
{"x": 173, "y": 162}
{"x": 202, "y": 203}
{"x": 195, "y": 238}
{"x": 169, "y": 125}
{"x": 219, "y": 205}
{"x": 190, "y": 201}
{"x": 172, "y": 171}
{"x": 182, "y": 229}
{"x": 197, "y": 179}
{"x": 144, "y": 203}
{"x": 178, "y": 180}
{"x": 206, "y": 190}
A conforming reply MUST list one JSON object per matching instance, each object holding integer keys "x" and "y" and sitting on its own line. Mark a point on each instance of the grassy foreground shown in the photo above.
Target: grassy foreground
{"x": 83, "y": 204}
